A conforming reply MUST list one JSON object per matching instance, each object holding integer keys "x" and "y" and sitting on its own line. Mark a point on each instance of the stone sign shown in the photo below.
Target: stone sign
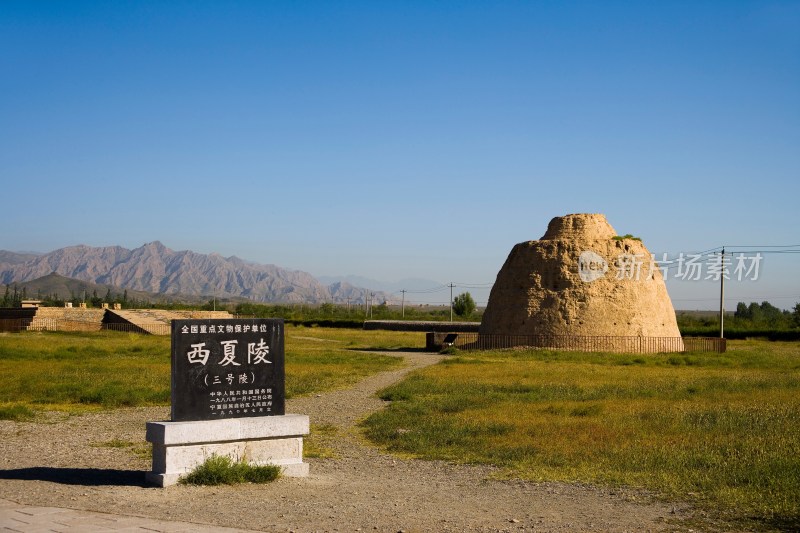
{"x": 227, "y": 368}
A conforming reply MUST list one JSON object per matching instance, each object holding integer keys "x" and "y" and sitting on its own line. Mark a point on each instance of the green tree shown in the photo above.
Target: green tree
{"x": 772, "y": 315}
{"x": 95, "y": 300}
{"x": 755, "y": 313}
{"x": 796, "y": 316}
{"x": 742, "y": 311}
{"x": 463, "y": 304}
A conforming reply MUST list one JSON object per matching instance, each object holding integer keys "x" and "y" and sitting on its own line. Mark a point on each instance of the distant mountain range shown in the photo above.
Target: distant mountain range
{"x": 154, "y": 268}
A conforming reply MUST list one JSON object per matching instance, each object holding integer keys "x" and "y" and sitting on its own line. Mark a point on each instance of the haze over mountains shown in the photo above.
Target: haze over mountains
{"x": 415, "y": 285}
{"x": 154, "y": 268}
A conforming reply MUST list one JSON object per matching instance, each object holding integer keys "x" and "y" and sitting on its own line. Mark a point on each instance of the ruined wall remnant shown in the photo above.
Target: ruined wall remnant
{"x": 578, "y": 279}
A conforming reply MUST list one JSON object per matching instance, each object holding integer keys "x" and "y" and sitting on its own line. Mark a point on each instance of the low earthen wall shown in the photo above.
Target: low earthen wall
{"x": 67, "y": 319}
{"x": 427, "y": 326}
{"x": 436, "y": 341}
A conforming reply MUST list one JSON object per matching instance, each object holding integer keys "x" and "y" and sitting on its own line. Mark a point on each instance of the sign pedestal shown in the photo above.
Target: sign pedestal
{"x": 228, "y": 399}
{"x": 179, "y": 447}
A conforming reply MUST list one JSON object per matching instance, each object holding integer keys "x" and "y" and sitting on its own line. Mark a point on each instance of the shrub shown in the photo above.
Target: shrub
{"x": 626, "y": 236}
{"x": 222, "y": 470}
{"x": 463, "y": 304}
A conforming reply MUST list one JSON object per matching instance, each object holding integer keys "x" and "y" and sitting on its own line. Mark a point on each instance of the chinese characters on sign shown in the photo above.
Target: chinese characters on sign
{"x": 227, "y": 368}
{"x": 688, "y": 267}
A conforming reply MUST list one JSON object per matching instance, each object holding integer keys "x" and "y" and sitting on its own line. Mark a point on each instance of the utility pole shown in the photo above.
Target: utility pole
{"x": 722, "y": 294}
{"x": 403, "y": 304}
{"x": 371, "y": 303}
{"x": 451, "y": 301}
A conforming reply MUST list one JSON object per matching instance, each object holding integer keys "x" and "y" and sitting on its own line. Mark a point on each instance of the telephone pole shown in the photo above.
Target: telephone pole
{"x": 403, "y": 304}
{"x": 451, "y": 300}
{"x": 722, "y": 294}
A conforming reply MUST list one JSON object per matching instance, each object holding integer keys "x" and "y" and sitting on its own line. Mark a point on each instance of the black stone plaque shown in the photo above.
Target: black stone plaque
{"x": 227, "y": 368}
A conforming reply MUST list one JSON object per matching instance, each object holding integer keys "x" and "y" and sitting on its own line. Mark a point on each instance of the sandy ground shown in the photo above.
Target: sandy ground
{"x": 61, "y": 462}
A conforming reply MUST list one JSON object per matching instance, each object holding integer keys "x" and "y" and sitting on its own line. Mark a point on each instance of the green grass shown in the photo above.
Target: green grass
{"x": 322, "y": 359}
{"x": 80, "y": 371}
{"x": 721, "y": 430}
{"x": 222, "y": 470}
{"x": 77, "y": 372}
{"x": 16, "y": 412}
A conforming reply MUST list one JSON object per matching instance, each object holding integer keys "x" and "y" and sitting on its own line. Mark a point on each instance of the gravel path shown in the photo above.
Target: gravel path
{"x": 67, "y": 462}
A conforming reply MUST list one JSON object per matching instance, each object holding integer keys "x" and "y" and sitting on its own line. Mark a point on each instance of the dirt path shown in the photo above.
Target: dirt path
{"x": 67, "y": 462}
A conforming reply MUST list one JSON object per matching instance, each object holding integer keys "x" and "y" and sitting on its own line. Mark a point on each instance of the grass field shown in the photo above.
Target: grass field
{"x": 83, "y": 371}
{"x": 721, "y": 430}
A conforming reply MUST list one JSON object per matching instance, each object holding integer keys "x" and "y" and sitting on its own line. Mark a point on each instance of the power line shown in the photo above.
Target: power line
{"x": 733, "y": 252}
{"x": 428, "y": 291}
{"x": 762, "y": 246}
{"x": 740, "y": 249}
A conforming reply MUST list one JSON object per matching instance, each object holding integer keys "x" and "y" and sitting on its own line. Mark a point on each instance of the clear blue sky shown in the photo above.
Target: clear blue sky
{"x": 402, "y": 139}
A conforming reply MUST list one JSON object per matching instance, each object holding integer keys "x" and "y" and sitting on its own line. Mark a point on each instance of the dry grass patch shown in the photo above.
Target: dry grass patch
{"x": 318, "y": 444}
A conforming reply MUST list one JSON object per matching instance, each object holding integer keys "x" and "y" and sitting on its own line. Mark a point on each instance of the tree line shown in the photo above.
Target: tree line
{"x": 463, "y": 307}
{"x": 749, "y": 319}
{"x": 13, "y": 297}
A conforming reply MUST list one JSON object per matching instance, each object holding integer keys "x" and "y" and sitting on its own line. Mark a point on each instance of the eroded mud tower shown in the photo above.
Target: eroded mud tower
{"x": 580, "y": 278}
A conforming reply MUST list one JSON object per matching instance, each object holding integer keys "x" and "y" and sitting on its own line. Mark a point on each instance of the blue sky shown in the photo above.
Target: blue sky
{"x": 403, "y": 139}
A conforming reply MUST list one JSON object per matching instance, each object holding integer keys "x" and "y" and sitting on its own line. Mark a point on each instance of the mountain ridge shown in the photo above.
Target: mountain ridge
{"x": 155, "y": 268}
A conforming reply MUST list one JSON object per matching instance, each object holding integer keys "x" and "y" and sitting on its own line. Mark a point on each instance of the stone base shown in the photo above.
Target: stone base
{"x": 179, "y": 447}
